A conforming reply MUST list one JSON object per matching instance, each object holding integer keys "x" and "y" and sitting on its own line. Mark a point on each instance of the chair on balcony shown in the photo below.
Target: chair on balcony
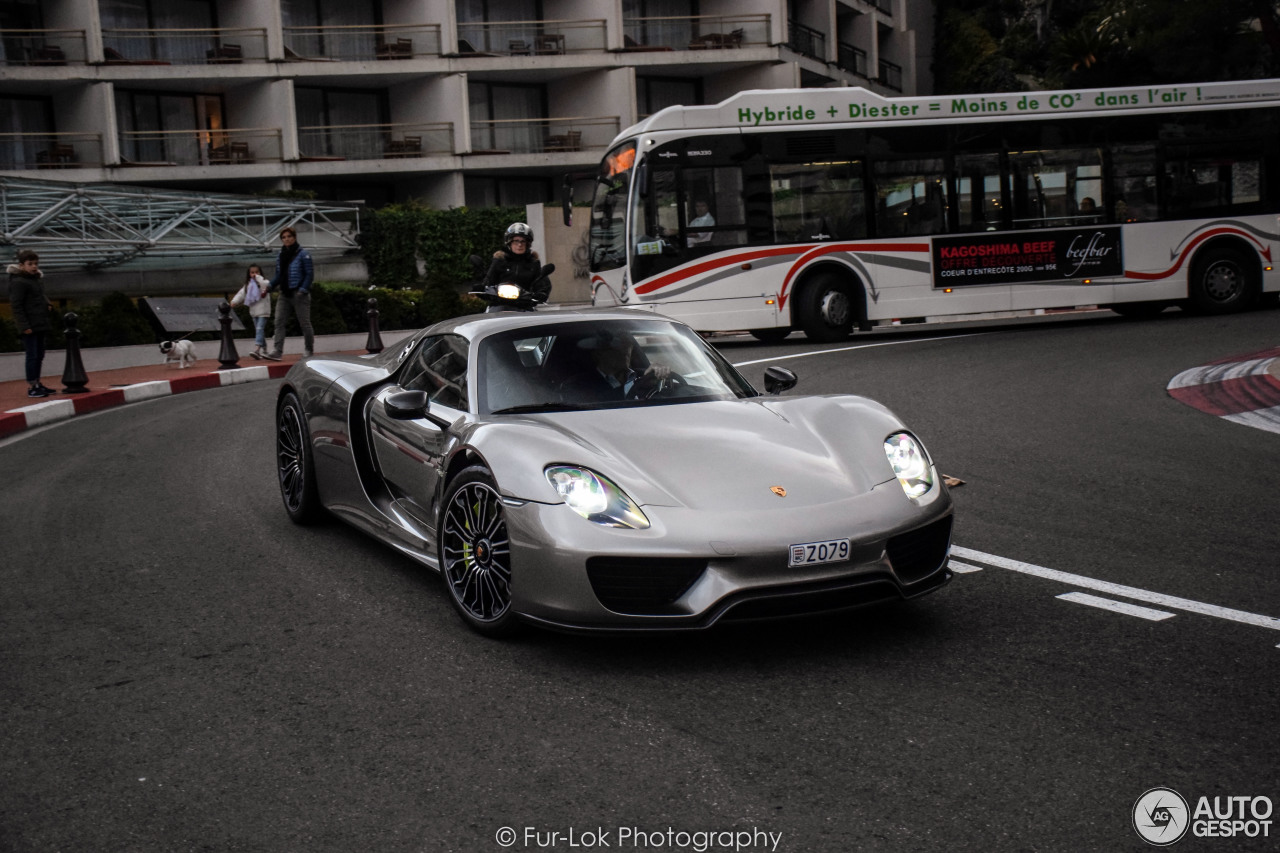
{"x": 224, "y": 53}
{"x": 569, "y": 141}
{"x": 518, "y": 47}
{"x": 56, "y": 156}
{"x": 232, "y": 152}
{"x": 718, "y": 41}
{"x": 49, "y": 54}
{"x": 548, "y": 43}
{"x": 410, "y": 146}
{"x": 401, "y": 48}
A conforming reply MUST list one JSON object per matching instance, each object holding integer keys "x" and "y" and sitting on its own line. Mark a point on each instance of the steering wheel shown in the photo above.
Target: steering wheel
{"x": 672, "y": 381}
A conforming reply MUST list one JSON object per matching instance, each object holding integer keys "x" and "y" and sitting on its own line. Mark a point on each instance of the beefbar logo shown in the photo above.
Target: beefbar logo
{"x": 1051, "y": 256}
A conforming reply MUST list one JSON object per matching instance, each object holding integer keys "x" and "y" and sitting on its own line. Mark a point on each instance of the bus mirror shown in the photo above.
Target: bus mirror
{"x": 566, "y": 201}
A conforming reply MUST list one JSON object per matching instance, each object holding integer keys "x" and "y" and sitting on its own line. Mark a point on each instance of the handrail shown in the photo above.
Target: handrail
{"x": 695, "y": 32}
{"x": 43, "y": 47}
{"x": 531, "y": 38}
{"x": 534, "y": 136}
{"x": 354, "y": 42}
{"x": 374, "y": 141}
{"x": 183, "y": 46}
{"x": 199, "y": 147}
{"x": 39, "y": 150}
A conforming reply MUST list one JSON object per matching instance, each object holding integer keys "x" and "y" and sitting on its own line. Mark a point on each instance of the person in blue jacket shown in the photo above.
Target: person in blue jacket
{"x": 293, "y": 279}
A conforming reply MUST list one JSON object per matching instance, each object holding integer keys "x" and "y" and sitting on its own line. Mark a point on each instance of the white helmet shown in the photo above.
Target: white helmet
{"x": 518, "y": 229}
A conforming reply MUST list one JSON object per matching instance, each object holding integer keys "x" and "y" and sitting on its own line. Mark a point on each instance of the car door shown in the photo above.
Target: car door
{"x": 410, "y": 453}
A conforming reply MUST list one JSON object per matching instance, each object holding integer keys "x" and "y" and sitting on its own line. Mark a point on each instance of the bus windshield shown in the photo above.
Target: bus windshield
{"x": 609, "y": 207}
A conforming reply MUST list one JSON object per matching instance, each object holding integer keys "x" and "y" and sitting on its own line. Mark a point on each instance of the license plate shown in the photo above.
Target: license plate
{"x": 813, "y": 553}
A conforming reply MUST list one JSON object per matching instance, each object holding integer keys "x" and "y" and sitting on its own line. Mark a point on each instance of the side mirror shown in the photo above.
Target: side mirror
{"x": 779, "y": 379}
{"x": 406, "y": 405}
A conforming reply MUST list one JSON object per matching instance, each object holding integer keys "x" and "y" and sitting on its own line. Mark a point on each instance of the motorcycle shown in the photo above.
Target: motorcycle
{"x": 509, "y": 296}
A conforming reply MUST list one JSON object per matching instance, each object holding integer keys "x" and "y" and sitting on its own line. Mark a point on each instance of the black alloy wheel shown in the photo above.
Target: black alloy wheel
{"x": 475, "y": 553}
{"x": 294, "y": 462}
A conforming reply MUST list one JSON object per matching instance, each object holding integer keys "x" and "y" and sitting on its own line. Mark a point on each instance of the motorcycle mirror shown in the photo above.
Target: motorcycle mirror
{"x": 548, "y": 269}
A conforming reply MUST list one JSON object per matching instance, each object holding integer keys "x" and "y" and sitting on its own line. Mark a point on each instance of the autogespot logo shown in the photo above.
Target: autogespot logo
{"x": 1161, "y": 817}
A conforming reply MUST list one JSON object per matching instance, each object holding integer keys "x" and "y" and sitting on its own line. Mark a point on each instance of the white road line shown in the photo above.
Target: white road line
{"x": 859, "y": 346}
{"x": 1122, "y": 591}
{"x": 1116, "y": 606}
{"x": 962, "y": 568}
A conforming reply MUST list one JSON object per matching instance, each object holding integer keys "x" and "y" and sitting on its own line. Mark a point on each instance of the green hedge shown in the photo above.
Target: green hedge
{"x": 394, "y": 238}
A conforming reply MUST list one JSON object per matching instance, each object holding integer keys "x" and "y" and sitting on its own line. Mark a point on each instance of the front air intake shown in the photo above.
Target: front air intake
{"x": 642, "y": 585}
{"x": 919, "y": 553}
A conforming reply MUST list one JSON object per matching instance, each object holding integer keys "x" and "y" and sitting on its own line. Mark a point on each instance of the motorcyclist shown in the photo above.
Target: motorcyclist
{"x": 517, "y": 263}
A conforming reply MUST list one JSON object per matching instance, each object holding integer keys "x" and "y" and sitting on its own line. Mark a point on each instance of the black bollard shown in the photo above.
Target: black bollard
{"x": 74, "y": 379}
{"x": 374, "y": 343}
{"x": 228, "y": 358}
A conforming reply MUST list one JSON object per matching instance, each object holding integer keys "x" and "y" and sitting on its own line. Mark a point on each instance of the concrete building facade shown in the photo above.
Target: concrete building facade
{"x": 448, "y": 102}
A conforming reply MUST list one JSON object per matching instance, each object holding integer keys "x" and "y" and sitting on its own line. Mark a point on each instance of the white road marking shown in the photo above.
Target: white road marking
{"x": 848, "y": 349}
{"x": 962, "y": 568}
{"x": 1116, "y": 606}
{"x": 1136, "y": 594}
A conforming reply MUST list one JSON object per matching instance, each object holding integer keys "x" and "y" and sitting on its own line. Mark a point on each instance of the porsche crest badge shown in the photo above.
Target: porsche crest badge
{"x": 779, "y": 491}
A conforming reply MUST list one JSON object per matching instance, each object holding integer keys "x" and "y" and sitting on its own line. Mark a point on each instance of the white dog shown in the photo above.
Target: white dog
{"x": 181, "y": 352}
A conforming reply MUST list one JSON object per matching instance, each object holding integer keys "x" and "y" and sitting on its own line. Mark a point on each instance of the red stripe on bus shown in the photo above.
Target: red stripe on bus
{"x": 1152, "y": 276}
{"x": 707, "y": 266}
{"x": 827, "y": 248}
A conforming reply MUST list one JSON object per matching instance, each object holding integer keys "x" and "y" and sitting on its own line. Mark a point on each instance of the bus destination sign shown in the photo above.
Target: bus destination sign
{"x": 1068, "y": 254}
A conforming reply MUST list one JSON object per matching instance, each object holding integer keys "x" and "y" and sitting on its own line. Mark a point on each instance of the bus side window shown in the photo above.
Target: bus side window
{"x": 1207, "y": 185}
{"x": 817, "y": 202}
{"x": 1050, "y": 187}
{"x": 1133, "y": 183}
{"x": 911, "y": 197}
{"x": 979, "y": 198}
{"x": 716, "y": 214}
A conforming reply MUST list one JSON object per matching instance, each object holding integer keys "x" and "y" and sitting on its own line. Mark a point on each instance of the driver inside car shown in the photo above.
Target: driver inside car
{"x": 616, "y": 372}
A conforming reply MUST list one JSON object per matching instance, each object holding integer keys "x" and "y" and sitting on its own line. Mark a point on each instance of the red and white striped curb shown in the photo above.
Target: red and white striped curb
{"x": 70, "y": 405}
{"x": 1244, "y": 389}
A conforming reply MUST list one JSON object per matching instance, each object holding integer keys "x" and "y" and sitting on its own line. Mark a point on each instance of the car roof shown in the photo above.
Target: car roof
{"x": 473, "y": 326}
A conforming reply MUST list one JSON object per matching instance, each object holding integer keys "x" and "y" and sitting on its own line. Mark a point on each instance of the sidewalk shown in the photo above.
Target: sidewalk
{"x": 120, "y": 375}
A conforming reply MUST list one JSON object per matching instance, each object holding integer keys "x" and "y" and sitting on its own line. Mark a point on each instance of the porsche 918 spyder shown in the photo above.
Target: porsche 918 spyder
{"x": 611, "y": 471}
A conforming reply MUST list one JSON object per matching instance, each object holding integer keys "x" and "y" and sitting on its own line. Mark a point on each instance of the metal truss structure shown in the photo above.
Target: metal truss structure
{"x": 93, "y": 226}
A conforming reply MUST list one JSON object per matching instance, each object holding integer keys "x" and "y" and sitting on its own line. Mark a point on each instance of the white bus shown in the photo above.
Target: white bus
{"x": 828, "y": 209}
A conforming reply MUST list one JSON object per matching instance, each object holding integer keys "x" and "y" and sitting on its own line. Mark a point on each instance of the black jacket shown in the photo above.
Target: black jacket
{"x": 30, "y": 306}
{"x": 523, "y": 270}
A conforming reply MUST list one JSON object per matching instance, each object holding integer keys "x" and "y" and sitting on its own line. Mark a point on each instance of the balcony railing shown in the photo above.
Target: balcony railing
{"x": 530, "y": 38}
{"x": 851, "y": 58}
{"x": 697, "y": 32}
{"x": 241, "y": 146}
{"x": 359, "y": 43}
{"x": 890, "y": 75}
{"x": 227, "y": 45}
{"x": 42, "y": 47}
{"x": 50, "y": 150}
{"x": 535, "y": 136}
{"x": 374, "y": 141}
{"x": 807, "y": 41}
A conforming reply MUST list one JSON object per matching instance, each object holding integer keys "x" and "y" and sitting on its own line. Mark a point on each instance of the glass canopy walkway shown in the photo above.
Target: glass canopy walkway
{"x": 95, "y": 226}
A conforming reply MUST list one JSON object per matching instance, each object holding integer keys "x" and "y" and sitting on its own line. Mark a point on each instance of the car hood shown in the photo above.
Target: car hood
{"x": 708, "y": 455}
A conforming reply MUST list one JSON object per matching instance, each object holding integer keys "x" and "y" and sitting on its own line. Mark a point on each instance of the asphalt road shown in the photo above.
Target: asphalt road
{"x": 183, "y": 669}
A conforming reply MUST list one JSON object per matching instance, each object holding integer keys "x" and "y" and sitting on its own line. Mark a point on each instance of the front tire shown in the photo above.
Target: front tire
{"x": 1223, "y": 281}
{"x": 475, "y": 553}
{"x": 826, "y": 309}
{"x": 294, "y": 462}
{"x": 770, "y": 336}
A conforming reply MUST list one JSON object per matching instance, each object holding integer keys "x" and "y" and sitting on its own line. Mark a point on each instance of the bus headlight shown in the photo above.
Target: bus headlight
{"x": 910, "y": 464}
{"x": 595, "y": 497}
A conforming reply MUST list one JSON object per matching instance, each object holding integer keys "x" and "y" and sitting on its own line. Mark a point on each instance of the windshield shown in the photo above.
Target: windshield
{"x": 601, "y": 364}
{"x": 608, "y": 209}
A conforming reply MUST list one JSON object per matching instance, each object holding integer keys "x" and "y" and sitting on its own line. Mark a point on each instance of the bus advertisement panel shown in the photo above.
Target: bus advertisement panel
{"x": 1049, "y": 256}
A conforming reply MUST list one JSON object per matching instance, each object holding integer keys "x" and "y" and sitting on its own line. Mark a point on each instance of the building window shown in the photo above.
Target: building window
{"x": 506, "y": 117}
{"x": 658, "y": 93}
{"x": 336, "y": 122}
{"x": 152, "y": 123}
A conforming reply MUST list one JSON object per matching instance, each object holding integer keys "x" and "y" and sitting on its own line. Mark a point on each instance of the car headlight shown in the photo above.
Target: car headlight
{"x": 508, "y": 291}
{"x": 910, "y": 463}
{"x": 595, "y": 498}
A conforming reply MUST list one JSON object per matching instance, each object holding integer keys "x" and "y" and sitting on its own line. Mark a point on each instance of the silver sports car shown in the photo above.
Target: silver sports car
{"x": 611, "y": 471}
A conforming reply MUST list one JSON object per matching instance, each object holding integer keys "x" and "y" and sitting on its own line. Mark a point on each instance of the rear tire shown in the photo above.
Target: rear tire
{"x": 1223, "y": 281}
{"x": 295, "y": 465}
{"x": 826, "y": 309}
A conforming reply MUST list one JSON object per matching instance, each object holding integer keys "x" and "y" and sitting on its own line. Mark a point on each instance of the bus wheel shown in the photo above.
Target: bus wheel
{"x": 1222, "y": 281}
{"x": 770, "y": 336}
{"x": 826, "y": 309}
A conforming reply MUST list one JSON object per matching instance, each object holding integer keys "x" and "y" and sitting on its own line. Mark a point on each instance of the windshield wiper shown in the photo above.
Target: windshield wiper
{"x": 541, "y": 407}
